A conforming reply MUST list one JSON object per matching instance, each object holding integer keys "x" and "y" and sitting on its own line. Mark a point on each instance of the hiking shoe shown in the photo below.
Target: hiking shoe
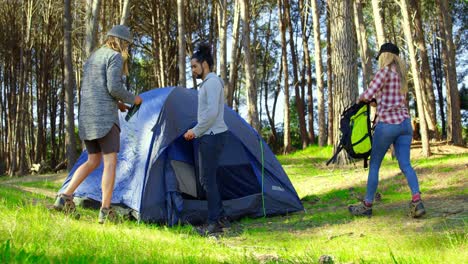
{"x": 211, "y": 230}
{"x": 417, "y": 209}
{"x": 360, "y": 210}
{"x": 107, "y": 214}
{"x": 65, "y": 203}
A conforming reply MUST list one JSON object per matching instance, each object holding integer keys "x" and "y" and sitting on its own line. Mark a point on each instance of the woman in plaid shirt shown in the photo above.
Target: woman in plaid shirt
{"x": 389, "y": 87}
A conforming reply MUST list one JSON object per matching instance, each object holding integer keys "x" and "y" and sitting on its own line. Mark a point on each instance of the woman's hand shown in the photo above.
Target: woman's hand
{"x": 138, "y": 100}
{"x": 122, "y": 107}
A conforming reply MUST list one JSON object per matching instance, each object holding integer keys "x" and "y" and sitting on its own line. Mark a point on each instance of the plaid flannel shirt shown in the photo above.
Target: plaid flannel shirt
{"x": 391, "y": 104}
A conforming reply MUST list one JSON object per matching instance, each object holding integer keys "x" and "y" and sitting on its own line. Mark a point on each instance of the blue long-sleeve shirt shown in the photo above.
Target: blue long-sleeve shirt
{"x": 210, "y": 107}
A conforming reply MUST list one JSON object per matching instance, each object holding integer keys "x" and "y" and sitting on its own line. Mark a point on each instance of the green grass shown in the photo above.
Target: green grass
{"x": 31, "y": 233}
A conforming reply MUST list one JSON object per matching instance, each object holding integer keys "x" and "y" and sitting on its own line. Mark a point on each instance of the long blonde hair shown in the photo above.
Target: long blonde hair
{"x": 121, "y": 46}
{"x": 387, "y": 59}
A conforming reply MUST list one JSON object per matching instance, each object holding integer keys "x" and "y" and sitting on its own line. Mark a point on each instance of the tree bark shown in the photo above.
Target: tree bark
{"x": 286, "y": 119}
{"x": 319, "y": 75}
{"x": 298, "y": 97}
{"x": 343, "y": 62}
{"x": 454, "y": 128}
{"x": 222, "y": 28}
{"x": 379, "y": 29}
{"x": 92, "y": 18}
{"x": 181, "y": 42}
{"x": 331, "y": 129}
{"x": 70, "y": 140}
{"x": 425, "y": 72}
{"x": 125, "y": 12}
{"x": 229, "y": 86}
{"x": 362, "y": 42}
{"x": 249, "y": 66}
{"x": 417, "y": 86}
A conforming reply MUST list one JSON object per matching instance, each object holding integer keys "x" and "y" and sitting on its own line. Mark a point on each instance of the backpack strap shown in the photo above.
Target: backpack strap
{"x": 338, "y": 150}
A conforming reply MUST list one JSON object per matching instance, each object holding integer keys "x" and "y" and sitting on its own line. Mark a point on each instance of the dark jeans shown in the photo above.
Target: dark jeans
{"x": 209, "y": 151}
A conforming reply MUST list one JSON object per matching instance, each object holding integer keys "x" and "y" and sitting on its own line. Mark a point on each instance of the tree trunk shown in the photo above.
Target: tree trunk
{"x": 379, "y": 29}
{"x": 454, "y": 128}
{"x": 362, "y": 42}
{"x": 298, "y": 98}
{"x": 222, "y": 28}
{"x": 69, "y": 85}
{"x": 319, "y": 75}
{"x": 181, "y": 42}
{"x": 250, "y": 82}
{"x": 343, "y": 37}
{"x": 92, "y": 18}
{"x": 125, "y": 12}
{"x": 438, "y": 77}
{"x": 229, "y": 86}
{"x": 425, "y": 72}
{"x": 415, "y": 72}
{"x": 286, "y": 119}
{"x": 331, "y": 129}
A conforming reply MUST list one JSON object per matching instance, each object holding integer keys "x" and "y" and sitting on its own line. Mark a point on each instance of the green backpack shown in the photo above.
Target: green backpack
{"x": 356, "y": 133}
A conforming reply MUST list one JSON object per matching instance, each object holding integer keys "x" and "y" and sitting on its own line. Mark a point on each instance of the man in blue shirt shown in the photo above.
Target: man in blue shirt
{"x": 211, "y": 132}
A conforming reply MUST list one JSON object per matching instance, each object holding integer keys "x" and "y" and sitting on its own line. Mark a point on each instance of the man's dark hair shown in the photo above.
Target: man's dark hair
{"x": 203, "y": 53}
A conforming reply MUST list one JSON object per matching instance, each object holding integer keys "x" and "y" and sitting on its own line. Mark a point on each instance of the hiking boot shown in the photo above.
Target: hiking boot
{"x": 417, "y": 209}
{"x": 107, "y": 214}
{"x": 65, "y": 203}
{"x": 360, "y": 210}
{"x": 211, "y": 230}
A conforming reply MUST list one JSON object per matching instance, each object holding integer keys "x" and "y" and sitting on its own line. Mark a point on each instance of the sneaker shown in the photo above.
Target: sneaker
{"x": 64, "y": 203}
{"x": 417, "y": 209}
{"x": 360, "y": 210}
{"x": 107, "y": 214}
{"x": 210, "y": 230}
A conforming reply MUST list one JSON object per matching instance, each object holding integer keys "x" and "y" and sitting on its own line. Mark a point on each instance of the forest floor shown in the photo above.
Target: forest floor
{"x": 31, "y": 233}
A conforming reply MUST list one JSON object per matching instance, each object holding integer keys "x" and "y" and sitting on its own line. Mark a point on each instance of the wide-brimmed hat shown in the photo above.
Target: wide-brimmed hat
{"x": 121, "y": 32}
{"x": 388, "y": 47}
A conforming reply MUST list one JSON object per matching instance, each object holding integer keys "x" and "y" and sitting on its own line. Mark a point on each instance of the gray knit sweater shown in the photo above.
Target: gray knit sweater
{"x": 101, "y": 89}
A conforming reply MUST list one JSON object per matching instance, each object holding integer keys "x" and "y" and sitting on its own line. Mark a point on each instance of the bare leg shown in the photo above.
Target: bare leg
{"x": 82, "y": 172}
{"x": 108, "y": 178}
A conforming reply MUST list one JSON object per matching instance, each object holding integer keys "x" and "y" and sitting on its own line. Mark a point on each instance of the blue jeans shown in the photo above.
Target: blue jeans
{"x": 400, "y": 135}
{"x": 209, "y": 151}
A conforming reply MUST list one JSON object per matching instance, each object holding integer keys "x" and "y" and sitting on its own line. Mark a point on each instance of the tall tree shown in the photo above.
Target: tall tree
{"x": 425, "y": 71}
{"x": 286, "y": 129}
{"x": 252, "y": 116}
{"x": 343, "y": 37}
{"x": 304, "y": 8}
{"x": 181, "y": 42}
{"x": 69, "y": 85}
{"x": 454, "y": 128}
{"x": 229, "y": 86}
{"x": 362, "y": 42}
{"x": 414, "y": 69}
{"x": 379, "y": 25}
{"x": 319, "y": 74}
{"x": 124, "y": 12}
{"x": 222, "y": 28}
{"x": 298, "y": 98}
{"x": 330, "y": 134}
{"x": 92, "y": 18}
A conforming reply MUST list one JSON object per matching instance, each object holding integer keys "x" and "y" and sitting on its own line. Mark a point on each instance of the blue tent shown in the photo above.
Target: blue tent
{"x": 157, "y": 169}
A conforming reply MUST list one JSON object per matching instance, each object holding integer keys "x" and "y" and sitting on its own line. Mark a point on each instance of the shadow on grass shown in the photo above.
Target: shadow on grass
{"x": 445, "y": 207}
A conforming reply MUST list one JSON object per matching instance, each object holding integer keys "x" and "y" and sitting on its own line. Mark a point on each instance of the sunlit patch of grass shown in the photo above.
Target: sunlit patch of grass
{"x": 31, "y": 233}
{"x": 49, "y": 185}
